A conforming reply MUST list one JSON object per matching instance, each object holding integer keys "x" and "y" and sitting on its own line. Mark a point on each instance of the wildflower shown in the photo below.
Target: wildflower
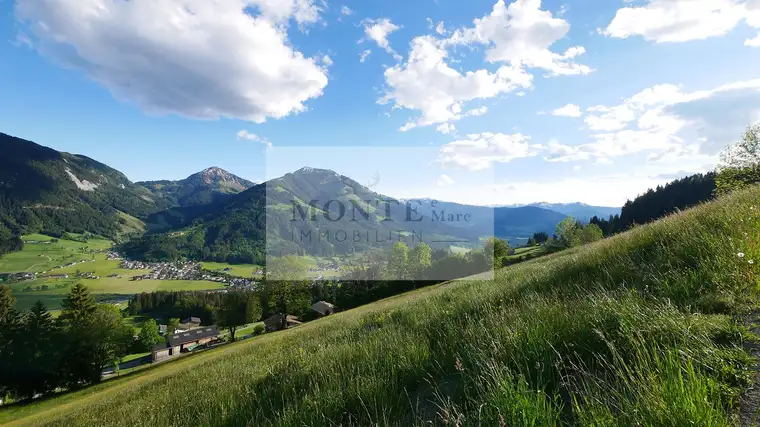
{"x": 751, "y": 262}
{"x": 740, "y": 254}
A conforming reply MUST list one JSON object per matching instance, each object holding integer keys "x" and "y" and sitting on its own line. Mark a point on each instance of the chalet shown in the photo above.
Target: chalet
{"x": 184, "y": 342}
{"x": 280, "y": 321}
{"x": 323, "y": 307}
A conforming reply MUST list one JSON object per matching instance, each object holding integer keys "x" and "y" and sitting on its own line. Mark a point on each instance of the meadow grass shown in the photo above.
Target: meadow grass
{"x": 638, "y": 329}
{"x": 240, "y": 270}
{"x": 36, "y": 257}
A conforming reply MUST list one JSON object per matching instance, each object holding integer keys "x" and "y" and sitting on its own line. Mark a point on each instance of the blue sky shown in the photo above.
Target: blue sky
{"x": 576, "y": 100}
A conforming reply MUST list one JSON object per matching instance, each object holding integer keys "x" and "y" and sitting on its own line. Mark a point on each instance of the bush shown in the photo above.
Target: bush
{"x": 258, "y": 329}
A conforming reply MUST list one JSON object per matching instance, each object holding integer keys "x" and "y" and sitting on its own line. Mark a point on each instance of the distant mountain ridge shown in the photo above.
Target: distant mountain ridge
{"x": 204, "y": 187}
{"x": 578, "y": 210}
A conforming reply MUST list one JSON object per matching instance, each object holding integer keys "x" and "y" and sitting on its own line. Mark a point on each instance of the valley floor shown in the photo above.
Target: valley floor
{"x": 638, "y": 329}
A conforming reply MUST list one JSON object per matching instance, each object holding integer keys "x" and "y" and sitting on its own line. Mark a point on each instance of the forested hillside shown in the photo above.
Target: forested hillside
{"x": 43, "y": 190}
{"x": 661, "y": 201}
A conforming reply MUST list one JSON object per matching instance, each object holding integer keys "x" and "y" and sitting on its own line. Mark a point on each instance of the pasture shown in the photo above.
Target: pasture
{"x": 636, "y": 329}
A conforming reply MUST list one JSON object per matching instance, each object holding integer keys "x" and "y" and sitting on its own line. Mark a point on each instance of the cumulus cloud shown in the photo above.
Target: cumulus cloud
{"x": 569, "y": 110}
{"x": 444, "y": 181}
{"x": 425, "y": 82}
{"x": 440, "y": 29}
{"x": 364, "y": 54}
{"x": 244, "y": 134}
{"x": 518, "y": 37}
{"x": 480, "y": 151}
{"x": 667, "y": 124}
{"x": 346, "y": 11}
{"x": 199, "y": 59}
{"x": 664, "y": 21}
{"x": 521, "y": 34}
{"x": 378, "y": 30}
{"x": 446, "y": 128}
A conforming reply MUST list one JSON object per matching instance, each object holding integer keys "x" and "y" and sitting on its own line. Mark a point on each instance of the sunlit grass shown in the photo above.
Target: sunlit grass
{"x": 638, "y": 329}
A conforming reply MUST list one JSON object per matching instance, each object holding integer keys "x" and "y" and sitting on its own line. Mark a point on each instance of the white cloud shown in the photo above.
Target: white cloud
{"x": 440, "y": 29}
{"x": 444, "y": 181}
{"x": 569, "y": 110}
{"x": 664, "y": 21}
{"x": 518, "y": 37}
{"x": 426, "y": 83}
{"x": 480, "y": 151}
{"x": 378, "y": 30}
{"x": 521, "y": 34}
{"x": 244, "y": 134}
{"x": 446, "y": 128}
{"x": 364, "y": 54}
{"x": 667, "y": 124}
{"x": 200, "y": 59}
{"x": 346, "y": 11}
{"x": 327, "y": 60}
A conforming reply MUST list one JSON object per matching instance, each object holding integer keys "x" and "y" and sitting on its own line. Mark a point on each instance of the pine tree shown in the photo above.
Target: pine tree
{"x": 39, "y": 352}
{"x": 78, "y": 306}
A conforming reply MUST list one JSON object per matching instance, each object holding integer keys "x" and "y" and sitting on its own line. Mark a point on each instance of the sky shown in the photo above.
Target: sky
{"x": 480, "y": 101}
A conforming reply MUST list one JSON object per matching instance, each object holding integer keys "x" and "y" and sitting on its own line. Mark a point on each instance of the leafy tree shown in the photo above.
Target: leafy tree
{"x": 569, "y": 232}
{"x": 740, "y": 163}
{"x": 591, "y": 233}
{"x": 253, "y": 308}
{"x": 495, "y": 251}
{"x": 540, "y": 237}
{"x": 399, "y": 262}
{"x": 233, "y": 312}
{"x": 419, "y": 260}
{"x": 149, "y": 335}
{"x": 172, "y": 325}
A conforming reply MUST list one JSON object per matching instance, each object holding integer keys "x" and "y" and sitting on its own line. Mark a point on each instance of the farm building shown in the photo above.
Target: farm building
{"x": 323, "y": 307}
{"x": 183, "y": 342}
{"x": 190, "y": 323}
{"x": 280, "y": 321}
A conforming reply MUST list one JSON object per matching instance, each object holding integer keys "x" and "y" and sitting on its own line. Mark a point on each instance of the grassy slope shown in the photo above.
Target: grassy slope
{"x": 632, "y": 330}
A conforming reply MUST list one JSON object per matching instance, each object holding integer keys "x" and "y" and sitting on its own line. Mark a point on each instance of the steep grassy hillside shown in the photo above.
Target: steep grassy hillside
{"x": 638, "y": 329}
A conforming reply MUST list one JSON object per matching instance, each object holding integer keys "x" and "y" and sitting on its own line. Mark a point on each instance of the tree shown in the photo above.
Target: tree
{"x": 233, "y": 312}
{"x": 495, "y": 250}
{"x": 591, "y": 233}
{"x": 172, "y": 325}
{"x": 419, "y": 260}
{"x": 149, "y": 335}
{"x": 568, "y": 232}
{"x": 39, "y": 351}
{"x": 540, "y": 237}
{"x": 10, "y": 334}
{"x": 78, "y": 305}
{"x": 740, "y": 163}
{"x": 399, "y": 262}
{"x": 96, "y": 336}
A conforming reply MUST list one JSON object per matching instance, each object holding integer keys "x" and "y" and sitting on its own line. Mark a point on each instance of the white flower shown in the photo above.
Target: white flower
{"x": 740, "y": 254}
{"x": 751, "y": 262}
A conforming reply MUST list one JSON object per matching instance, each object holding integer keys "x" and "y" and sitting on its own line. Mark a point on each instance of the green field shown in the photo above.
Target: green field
{"x": 240, "y": 270}
{"x": 36, "y": 257}
{"x": 637, "y": 329}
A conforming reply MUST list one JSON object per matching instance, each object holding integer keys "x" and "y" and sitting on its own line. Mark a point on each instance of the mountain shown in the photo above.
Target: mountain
{"x": 579, "y": 211}
{"x": 262, "y": 219}
{"x": 43, "y": 190}
{"x": 206, "y": 186}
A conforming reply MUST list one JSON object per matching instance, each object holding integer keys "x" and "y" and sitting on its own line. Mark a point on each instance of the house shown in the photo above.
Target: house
{"x": 323, "y": 307}
{"x": 280, "y": 321}
{"x": 184, "y": 342}
{"x": 190, "y": 323}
